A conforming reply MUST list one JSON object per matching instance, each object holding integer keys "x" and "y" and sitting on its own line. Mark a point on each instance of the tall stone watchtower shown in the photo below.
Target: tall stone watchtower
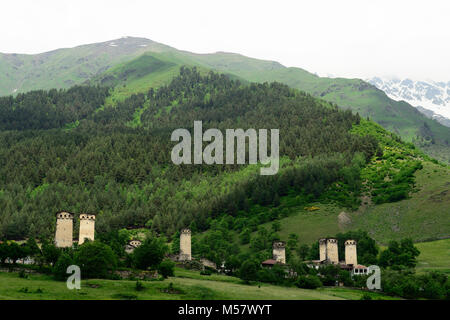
{"x": 64, "y": 229}
{"x": 185, "y": 245}
{"x": 351, "y": 257}
{"x": 332, "y": 251}
{"x": 279, "y": 251}
{"x": 322, "y": 249}
{"x": 87, "y": 227}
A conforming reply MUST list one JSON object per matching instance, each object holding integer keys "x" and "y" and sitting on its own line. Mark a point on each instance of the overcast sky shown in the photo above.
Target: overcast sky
{"x": 343, "y": 38}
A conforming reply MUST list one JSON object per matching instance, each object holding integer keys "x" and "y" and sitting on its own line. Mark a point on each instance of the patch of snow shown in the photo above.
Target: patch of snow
{"x": 434, "y": 96}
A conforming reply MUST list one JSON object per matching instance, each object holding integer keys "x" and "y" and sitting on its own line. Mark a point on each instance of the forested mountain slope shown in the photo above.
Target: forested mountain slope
{"x": 70, "y": 150}
{"x": 120, "y": 63}
{"x": 83, "y": 158}
{"x": 359, "y": 96}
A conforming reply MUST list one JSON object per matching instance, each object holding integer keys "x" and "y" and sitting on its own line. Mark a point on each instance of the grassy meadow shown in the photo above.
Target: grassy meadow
{"x": 188, "y": 285}
{"x": 434, "y": 255}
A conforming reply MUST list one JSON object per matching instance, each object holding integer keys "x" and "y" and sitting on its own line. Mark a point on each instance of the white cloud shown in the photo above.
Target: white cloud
{"x": 345, "y": 38}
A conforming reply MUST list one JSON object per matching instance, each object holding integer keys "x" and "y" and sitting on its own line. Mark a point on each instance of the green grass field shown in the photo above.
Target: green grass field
{"x": 190, "y": 285}
{"x": 310, "y": 226}
{"x": 186, "y": 284}
{"x": 434, "y": 255}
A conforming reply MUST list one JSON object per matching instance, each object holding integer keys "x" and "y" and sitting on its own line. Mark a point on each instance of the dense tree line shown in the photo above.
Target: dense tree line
{"x": 96, "y": 259}
{"x": 49, "y": 109}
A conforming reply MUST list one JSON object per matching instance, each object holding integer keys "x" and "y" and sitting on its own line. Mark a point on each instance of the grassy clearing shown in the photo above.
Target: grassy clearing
{"x": 141, "y": 85}
{"x": 434, "y": 255}
{"x": 422, "y": 217}
{"x": 42, "y": 287}
{"x": 310, "y": 225}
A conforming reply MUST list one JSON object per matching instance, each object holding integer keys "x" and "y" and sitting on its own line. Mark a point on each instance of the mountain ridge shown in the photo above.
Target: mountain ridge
{"x": 84, "y": 63}
{"x": 64, "y": 67}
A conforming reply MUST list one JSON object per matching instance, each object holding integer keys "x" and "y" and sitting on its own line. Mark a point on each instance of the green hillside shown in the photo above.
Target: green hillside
{"x": 357, "y": 95}
{"x": 360, "y": 175}
{"x": 151, "y": 70}
{"x": 105, "y": 147}
{"x": 423, "y": 216}
{"x": 113, "y": 63}
{"x": 414, "y": 206}
{"x": 124, "y": 171}
{"x": 64, "y": 68}
{"x": 354, "y": 94}
{"x": 434, "y": 255}
{"x": 137, "y": 76}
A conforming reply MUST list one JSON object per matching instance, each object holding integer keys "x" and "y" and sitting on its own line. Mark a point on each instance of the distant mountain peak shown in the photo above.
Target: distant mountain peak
{"x": 428, "y": 94}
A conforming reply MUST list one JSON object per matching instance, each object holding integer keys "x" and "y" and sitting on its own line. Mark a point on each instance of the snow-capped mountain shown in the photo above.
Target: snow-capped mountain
{"x": 430, "y": 95}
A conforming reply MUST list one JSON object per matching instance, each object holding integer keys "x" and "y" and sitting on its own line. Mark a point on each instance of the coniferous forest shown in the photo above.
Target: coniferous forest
{"x": 68, "y": 150}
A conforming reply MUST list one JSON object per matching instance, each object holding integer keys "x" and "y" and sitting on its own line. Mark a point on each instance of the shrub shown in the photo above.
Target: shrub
{"x": 22, "y": 274}
{"x": 166, "y": 268}
{"x": 150, "y": 253}
{"x": 50, "y": 253}
{"x": 206, "y": 272}
{"x": 245, "y": 236}
{"x": 345, "y": 278}
{"x": 308, "y": 282}
{"x": 95, "y": 260}
{"x": 60, "y": 268}
{"x": 366, "y": 296}
{"x": 139, "y": 286}
{"x": 249, "y": 271}
{"x": 266, "y": 275}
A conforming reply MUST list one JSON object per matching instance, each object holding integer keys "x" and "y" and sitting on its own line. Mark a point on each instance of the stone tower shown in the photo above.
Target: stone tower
{"x": 332, "y": 251}
{"x": 185, "y": 245}
{"x": 279, "y": 251}
{"x": 87, "y": 227}
{"x": 322, "y": 249}
{"x": 64, "y": 230}
{"x": 350, "y": 253}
